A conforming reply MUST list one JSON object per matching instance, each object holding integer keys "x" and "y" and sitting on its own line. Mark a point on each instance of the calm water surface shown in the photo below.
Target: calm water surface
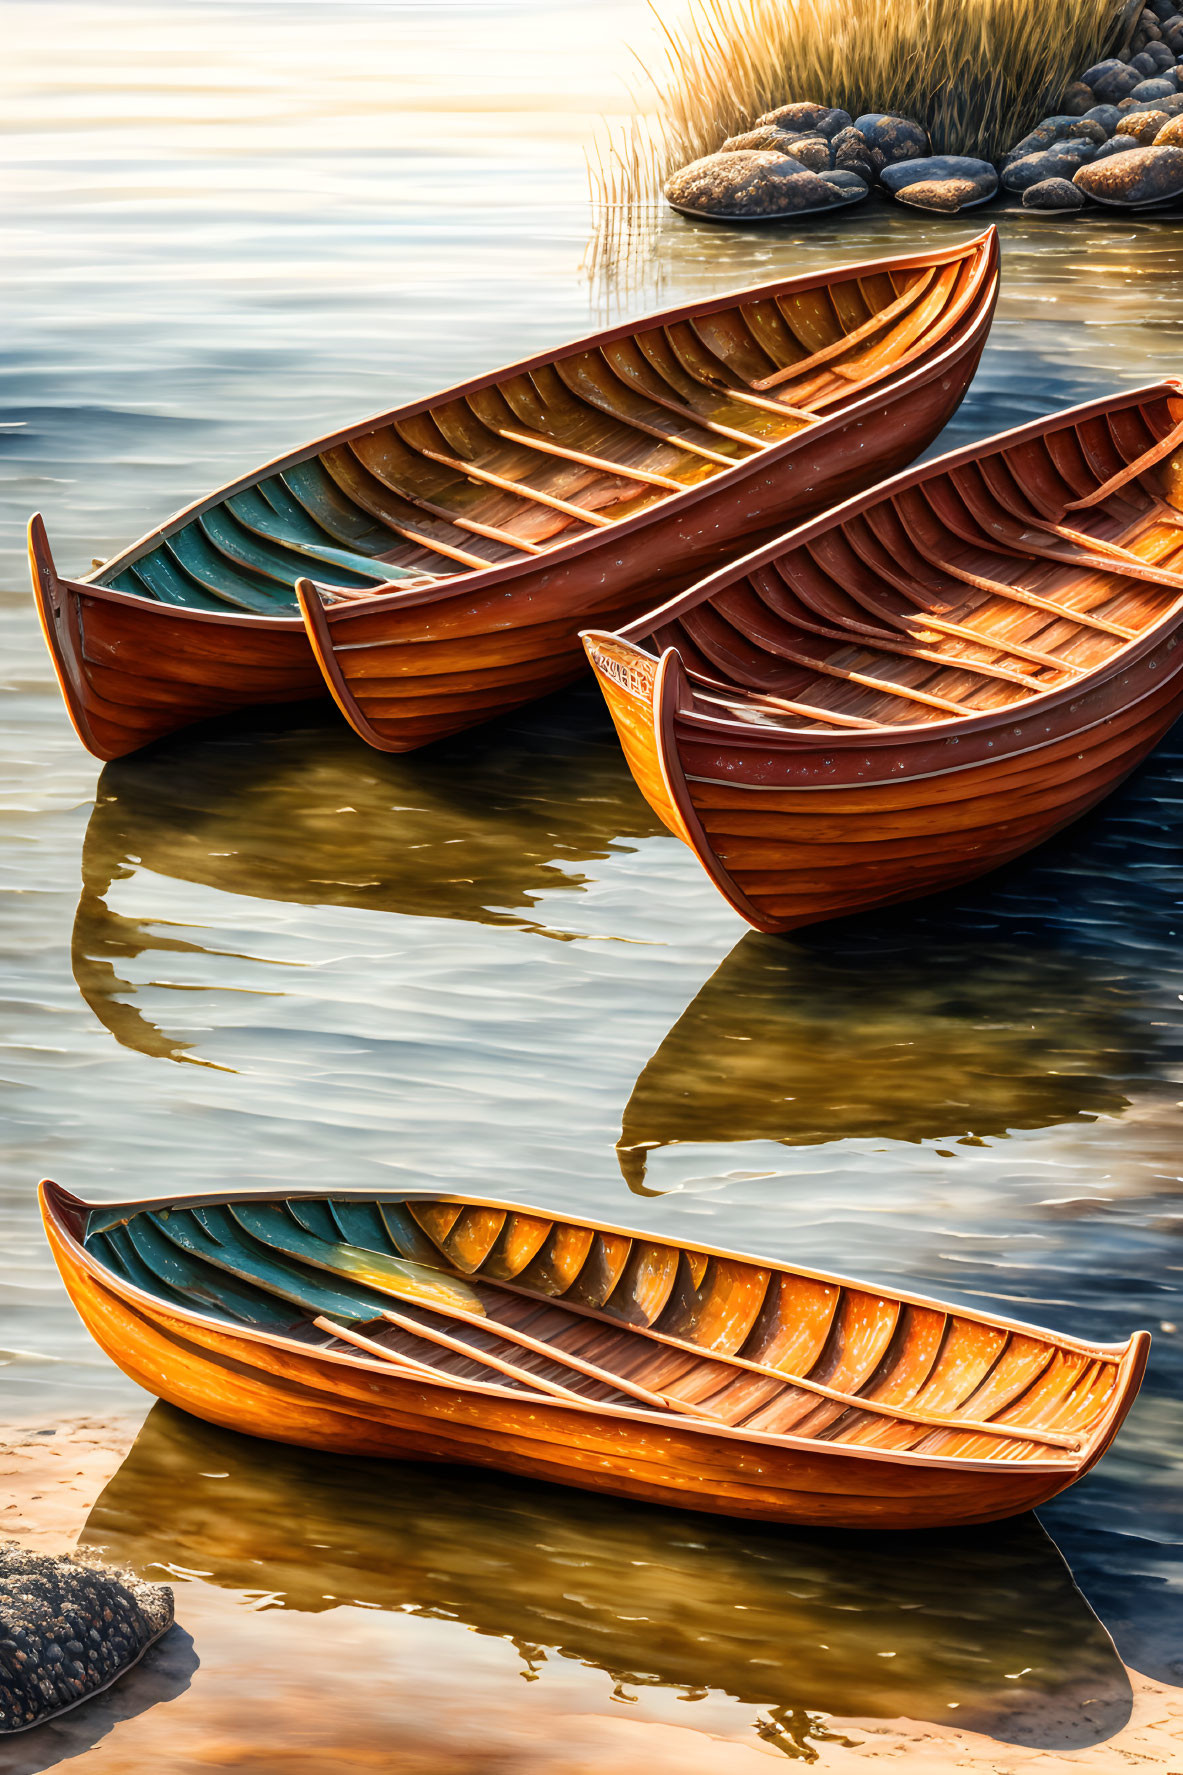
{"x": 271, "y": 955}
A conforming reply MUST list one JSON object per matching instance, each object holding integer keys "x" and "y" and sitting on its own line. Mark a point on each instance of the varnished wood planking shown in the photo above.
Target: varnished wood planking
{"x": 740, "y": 1436}
{"x": 797, "y": 818}
{"x": 460, "y": 542}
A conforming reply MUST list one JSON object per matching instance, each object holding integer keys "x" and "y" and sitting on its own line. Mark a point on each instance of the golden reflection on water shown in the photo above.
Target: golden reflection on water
{"x": 792, "y": 1627}
{"x": 806, "y": 1044}
{"x": 478, "y": 829}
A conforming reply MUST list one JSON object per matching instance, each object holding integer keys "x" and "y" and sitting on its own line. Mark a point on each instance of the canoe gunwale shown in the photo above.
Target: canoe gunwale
{"x": 59, "y": 1207}
{"x": 977, "y": 313}
{"x": 803, "y": 740}
{"x": 786, "y": 738}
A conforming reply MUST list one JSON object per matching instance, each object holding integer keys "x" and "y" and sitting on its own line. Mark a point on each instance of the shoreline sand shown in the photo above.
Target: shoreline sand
{"x": 50, "y": 1476}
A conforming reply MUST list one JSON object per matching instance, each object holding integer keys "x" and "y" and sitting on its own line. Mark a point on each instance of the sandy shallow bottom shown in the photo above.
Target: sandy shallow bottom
{"x": 241, "y": 1685}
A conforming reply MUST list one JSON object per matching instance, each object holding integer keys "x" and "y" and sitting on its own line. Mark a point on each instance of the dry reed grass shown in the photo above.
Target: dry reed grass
{"x": 976, "y": 73}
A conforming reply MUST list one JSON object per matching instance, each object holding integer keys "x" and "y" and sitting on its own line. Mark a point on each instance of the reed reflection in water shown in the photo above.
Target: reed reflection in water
{"x": 984, "y": 1626}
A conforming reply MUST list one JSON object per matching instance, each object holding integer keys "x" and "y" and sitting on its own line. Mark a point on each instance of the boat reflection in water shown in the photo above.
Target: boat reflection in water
{"x": 792, "y": 1626}
{"x": 479, "y": 831}
{"x": 1038, "y": 998}
{"x": 805, "y": 1046}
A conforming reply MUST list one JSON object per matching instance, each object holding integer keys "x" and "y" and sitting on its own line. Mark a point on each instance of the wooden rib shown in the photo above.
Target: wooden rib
{"x": 876, "y": 323}
{"x": 1123, "y": 558}
{"x": 680, "y": 407}
{"x": 715, "y": 379}
{"x": 410, "y": 1364}
{"x": 437, "y": 548}
{"x": 648, "y": 476}
{"x": 485, "y": 1357}
{"x": 766, "y": 700}
{"x": 436, "y": 510}
{"x": 902, "y": 644}
{"x": 383, "y": 497}
{"x": 1053, "y": 1438}
{"x": 540, "y": 1348}
{"x": 1018, "y": 649}
{"x": 473, "y": 1235}
{"x": 1003, "y": 588}
{"x": 601, "y": 405}
{"x": 483, "y": 474}
{"x": 883, "y": 685}
{"x": 1131, "y": 471}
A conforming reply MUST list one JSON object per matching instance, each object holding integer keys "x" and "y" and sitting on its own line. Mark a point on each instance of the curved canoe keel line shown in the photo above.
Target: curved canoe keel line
{"x": 437, "y": 562}
{"x": 926, "y": 682}
{"x": 465, "y": 1329}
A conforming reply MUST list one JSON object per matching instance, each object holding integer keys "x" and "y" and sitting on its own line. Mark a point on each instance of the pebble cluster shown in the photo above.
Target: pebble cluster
{"x": 806, "y": 157}
{"x": 67, "y": 1630}
{"x": 1117, "y": 139}
{"x": 1118, "y": 136}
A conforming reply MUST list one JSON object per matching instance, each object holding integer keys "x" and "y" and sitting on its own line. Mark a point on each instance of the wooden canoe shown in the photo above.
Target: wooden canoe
{"x": 462, "y": 1329}
{"x": 462, "y": 541}
{"x": 925, "y": 682}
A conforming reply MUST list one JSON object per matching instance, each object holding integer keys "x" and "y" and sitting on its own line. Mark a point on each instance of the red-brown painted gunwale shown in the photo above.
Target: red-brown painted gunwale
{"x": 797, "y": 821}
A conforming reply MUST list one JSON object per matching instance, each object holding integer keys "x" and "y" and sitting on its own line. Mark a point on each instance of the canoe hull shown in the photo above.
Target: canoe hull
{"x": 802, "y": 810}
{"x": 131, "y": 671}
{"x": 404, "y": 674}
{"x": 788, "y": 849}
{"x": 280, "y": 1389}
{"x": 401, "y": 500}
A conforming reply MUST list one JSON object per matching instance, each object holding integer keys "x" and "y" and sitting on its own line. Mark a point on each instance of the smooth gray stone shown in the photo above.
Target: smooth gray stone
{"x": 1116, "y": 145}
{"x": 1054, "y": 194}
{"x": 1116, "y": 84}
{"x": 847, "y": 181}
{"x": 939, "y": 168}
{"x": 1051, "y": 130}
{"x": 1156, "y": 89}
{"x": 1060, "y": 162}
{"x": 892, "y": 138}
{"x": 1076, "y": 98}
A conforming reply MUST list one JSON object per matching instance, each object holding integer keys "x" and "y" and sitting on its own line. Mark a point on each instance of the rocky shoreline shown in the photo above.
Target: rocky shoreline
{"x": 1116, "y": 142}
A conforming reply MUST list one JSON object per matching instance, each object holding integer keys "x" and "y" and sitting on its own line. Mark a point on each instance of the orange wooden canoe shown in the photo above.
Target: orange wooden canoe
{"x": 455, "y": 546}
{"x": 459, "y": 1328}
{"x": 925, "y": 682}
